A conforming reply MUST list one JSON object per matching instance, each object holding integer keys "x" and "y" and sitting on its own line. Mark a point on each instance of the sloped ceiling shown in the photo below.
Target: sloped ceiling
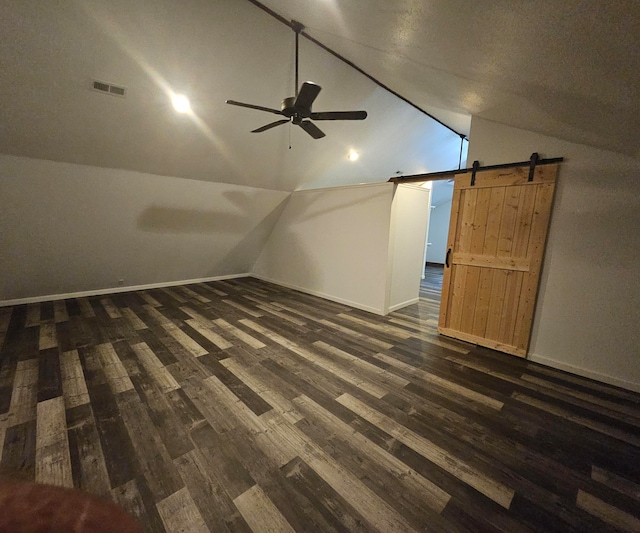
{"x": 211, "y": 51}
{"x": 565, "y": 68}
{"x": 568, "y": 69}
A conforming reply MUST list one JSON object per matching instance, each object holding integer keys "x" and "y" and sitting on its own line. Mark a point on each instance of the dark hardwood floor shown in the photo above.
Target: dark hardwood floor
{"x": 244, "y": 406}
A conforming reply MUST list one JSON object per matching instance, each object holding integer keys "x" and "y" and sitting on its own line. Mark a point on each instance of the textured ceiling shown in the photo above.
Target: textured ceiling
{"x": 568, "y": 69}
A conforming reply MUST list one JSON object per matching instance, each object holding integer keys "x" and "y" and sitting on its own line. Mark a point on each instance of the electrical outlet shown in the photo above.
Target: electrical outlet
{"x": 121, "y": 282}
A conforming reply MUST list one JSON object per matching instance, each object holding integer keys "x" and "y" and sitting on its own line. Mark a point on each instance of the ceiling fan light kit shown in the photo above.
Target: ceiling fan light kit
{"x": 297, "y": 109}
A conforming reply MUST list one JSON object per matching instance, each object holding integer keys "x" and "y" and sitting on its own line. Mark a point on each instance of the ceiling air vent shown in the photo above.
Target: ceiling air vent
{"x": 107, "y": 88}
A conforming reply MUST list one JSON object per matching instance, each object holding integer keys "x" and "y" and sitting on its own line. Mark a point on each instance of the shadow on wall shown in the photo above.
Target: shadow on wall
{"x": 238, "y": 214}
{"x": 235, "y": 235}
{"x": 244, "y": 254}
{"x": 312, "y": 213}
{"x": 177, "y": 220}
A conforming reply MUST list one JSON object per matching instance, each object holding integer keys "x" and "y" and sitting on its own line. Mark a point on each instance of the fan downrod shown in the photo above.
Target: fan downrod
{"x": 298, "y": 109}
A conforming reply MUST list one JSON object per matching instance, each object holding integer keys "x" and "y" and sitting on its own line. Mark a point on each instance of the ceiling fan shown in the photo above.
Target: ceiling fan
{"x": 297, "y": 109}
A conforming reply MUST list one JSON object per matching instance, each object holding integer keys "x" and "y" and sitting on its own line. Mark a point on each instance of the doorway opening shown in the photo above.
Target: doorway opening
{"x": 437, "y": 235}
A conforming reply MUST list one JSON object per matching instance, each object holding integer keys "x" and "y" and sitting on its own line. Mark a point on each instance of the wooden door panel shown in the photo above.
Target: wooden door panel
{"x": 508, "y": 221}
{"x": 496, "y": 302}
{"x": 479, "y": 226}
{"x": 457, "y": 298}
{"x": 538, "y": 234}
{"x": 491, "y": 261}
{"x": 494, "y": 217}
{"x": 483, "y": 302}
{"x": 496, "y": 242}
{"x": 465, "y": 229}
{"x": 447, "y": 278}
{"x": 523, "y": 223}
{"x": 469, "y": 298}
{"x": 508, "y": 318}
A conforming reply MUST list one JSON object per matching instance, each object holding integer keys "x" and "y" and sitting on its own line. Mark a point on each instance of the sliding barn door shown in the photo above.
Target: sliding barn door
{"x": 496, "y": 243}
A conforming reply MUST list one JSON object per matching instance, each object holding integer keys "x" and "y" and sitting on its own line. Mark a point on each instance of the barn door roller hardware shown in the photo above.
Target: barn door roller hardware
{"x": 474, "y": 169}
{"x": 532, "y": 163}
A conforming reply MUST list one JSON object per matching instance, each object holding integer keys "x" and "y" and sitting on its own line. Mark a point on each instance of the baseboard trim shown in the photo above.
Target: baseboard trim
{"x": 115, "y": 290}
{"x": 319, "y": 294}
{"x": 582, "y": 372}
{"x": 403, "y": 304}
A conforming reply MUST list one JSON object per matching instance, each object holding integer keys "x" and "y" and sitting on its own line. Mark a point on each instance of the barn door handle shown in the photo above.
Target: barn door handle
{"x": 446, "y": 260}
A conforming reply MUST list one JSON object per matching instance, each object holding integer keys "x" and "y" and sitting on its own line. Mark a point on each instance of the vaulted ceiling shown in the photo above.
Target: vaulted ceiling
{"x": 569, "y": 69}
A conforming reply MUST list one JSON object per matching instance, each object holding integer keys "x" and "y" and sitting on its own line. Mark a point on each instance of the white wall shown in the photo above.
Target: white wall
{"x": 409, "y": 220}
{"x": 67, "y": 228}
{"x": 333, "y": 243}
{"x": 588, "y": 308}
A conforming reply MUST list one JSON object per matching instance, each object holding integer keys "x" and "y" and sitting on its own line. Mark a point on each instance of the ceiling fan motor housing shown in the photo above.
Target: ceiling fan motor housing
{"x": 289, "y": 110}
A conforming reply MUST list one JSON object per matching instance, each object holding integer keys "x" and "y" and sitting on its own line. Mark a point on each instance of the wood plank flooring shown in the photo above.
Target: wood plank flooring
{"x": 244, "y": 406}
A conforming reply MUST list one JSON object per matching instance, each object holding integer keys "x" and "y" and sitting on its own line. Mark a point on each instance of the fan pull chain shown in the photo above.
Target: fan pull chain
{"x": 289, "y": 136}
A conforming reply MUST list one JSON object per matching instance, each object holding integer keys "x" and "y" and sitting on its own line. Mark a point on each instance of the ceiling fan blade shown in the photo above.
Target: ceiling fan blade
{"x": 339, "y": 115}
{"x": 258, "y": 107}
{"x": 269, "y": 126}
{"x": 311, "y": 129}
{"x": 308, "y": 93}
